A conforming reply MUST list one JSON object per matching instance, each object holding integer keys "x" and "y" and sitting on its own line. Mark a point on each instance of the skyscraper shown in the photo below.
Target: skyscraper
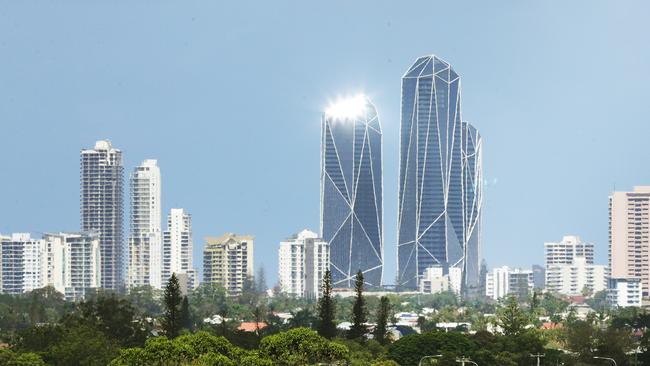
{"x": 102, "y": 208}
{"x": 351, "y": 191}
{"x": 303, "y": 260}
{"x": 145, "y": 241}
{"x": 629, "y": 245}
{"x": 177, "y": 247}
{"x": 440, "y": 182}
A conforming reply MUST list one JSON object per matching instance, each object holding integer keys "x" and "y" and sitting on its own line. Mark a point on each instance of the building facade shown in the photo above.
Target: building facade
{"x": 567, "y": 250}
{"x": 629, "y": 242}
{"x": 145, "y": 240}
{"x": 303, "y": 260}
{"x": 435, "y": 281}
{"x": 504, "y": 281}
{"x": 440, "y": 189}
{"x": 573, "y": 279}
{"x": 21, "y": 263}
{"x": 177, "y": 248}
{"x": 72, "y": 263}
{"x": 102, "y": 207}
{"x": 228, "y": 261}
{"x": 351, "y": 191}
{"x": 624, "y": 292}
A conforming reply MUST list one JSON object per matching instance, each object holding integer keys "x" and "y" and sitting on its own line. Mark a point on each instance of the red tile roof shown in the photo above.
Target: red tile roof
{"x": 251, "y": 326}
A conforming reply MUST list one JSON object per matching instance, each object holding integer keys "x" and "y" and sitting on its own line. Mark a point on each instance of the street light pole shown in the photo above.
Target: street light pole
{"x": 606, "y": 358}
{"x": 538, "y": 356}
{"x": 425, "y": 357}
{"x": 462, "y": 361}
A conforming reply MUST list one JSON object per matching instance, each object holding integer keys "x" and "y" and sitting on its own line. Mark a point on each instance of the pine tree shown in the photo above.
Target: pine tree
{"x": 358, "y": 328}
{"x": 172, "y": 319}
{"x": 186, "y": 319}
{"x": 261, "y": 281}
{"x": 381, "y": 330}
{"x": 326, "y": 311}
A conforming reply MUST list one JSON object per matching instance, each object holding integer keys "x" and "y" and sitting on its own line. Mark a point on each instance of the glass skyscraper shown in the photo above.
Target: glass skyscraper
{"x": 439, "y": 198}
{"x": 351, "y": 191}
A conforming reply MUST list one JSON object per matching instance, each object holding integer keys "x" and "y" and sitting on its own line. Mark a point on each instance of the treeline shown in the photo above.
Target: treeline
{"x": 148, "y": 327}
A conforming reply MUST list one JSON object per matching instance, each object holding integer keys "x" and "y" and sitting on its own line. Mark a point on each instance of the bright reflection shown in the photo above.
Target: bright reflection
{"x": 348, "y": 108}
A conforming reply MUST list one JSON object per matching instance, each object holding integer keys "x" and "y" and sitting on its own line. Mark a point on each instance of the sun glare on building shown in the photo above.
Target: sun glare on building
{"x": 348, "y": 107}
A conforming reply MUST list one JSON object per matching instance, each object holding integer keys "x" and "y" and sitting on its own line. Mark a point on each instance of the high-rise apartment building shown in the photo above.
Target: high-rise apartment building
{"x": 303, "y": 260}
{"x": 21, "y": 263}
{"x": 228, "y": 261}
{"x": 351, "y": 191}
{"x": 72, "y": 263}
{"x": 145, "y": 241}
{"x": 177, "y": 248}
{"x": 102, "y": 210}
{"x": 629, "y": 236}
{"x": 567, "y": 250}
{"x": 572, "y": 279}
{"x": 624, "y": 292}
{"x": 440, "y": 184}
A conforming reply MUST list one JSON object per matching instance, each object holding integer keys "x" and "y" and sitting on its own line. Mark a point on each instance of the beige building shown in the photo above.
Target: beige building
{"x": 629, "y": 225}
{"x": 228, "y": 260}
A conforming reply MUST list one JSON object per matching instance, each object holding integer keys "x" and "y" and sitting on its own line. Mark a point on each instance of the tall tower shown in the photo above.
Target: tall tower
{"x": 629, "y": 245}
{"x": 102, "y": 175}
{"x": 439, "y": 198}
{"x": 177, "y": 247}
{"x": 145, "y": 242}
{"x": 351, "y": 191}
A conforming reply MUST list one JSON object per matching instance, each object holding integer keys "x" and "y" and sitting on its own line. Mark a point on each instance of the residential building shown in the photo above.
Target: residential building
{"x": 629, "y": 236}
{"x": 145, "y": 242}
{"x": 504, "y": 281}
{"x": 228, "y": 261}
{"x": 351, "y": 191}
{"x": 303, "y": 260}
{"x": 177, "y": 248}
{"x": 624, "y": 292}
{"x": 539, "y": 277}
{"x": 72, "y": 262}
{"x": 102, "y": 208}
{"x": 570, "y": 248}
{"x": 21, "y": 263}
{"x": 440, "y": 184}
{"x": 435, "y": 281}
{"x": 573, "y": 279}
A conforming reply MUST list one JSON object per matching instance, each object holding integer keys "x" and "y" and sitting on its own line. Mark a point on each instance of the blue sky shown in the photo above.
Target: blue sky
{"x": 228, "y": 98}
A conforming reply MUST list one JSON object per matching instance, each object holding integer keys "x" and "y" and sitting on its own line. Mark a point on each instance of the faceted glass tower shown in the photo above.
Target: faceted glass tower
{"x": 351, "y": 191}
{"x": 102, "y": 175}
{"x": 439, "y": 198}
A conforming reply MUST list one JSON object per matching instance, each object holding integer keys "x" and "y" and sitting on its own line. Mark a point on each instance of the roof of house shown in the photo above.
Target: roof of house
{"x": 251, "y": 326}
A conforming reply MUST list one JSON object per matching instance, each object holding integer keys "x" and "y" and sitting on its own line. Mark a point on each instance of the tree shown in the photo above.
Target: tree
{"x": 511, "y": 318}
{"x": 301, "y": 346}
{"x": 381, "y": 330}
{"x": 186, "y": 319}
{"x": 326, "y": 312}
{"x": 358, "y": 329}
{"x": 172, "y": 319}
{"x": 261, "y": 281}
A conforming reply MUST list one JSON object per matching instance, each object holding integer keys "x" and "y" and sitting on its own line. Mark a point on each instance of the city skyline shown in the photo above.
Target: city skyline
{"x": 123, "y": 88}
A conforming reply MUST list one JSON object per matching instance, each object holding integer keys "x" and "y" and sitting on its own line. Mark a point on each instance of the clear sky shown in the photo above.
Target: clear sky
{"x": 228, "y": 98}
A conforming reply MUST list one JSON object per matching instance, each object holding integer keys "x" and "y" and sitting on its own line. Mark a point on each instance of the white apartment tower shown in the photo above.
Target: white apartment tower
{"x": 145, "y": 241}
{"x": 102, "y": 210}
{"x": 303, "y": 260}
{"x": 629, "y": 236}
{"x": 571, "y": 279}
{"x": 21, "y": 263}
{"x": 72, "y": 263}
{"x": 567, "y": 250}
{"x": 433, "y": 280}
{"x": 504, "y": 281}
{"x": 177, "y": 247}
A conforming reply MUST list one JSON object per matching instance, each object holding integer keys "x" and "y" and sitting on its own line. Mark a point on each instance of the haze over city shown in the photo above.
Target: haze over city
{"x": 229, "y": 100}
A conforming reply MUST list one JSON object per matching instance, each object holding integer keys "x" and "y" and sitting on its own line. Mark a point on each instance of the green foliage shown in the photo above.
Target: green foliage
{"x": 82, "y": 345}
{"x": 358, "y": 329}
{"x": 186, "y": 318}
{"x": 10, "y": 358}
{"x": 363, "y": 353}
{"x": 511, "y": 318}
{"x": 326, "y": 312}
{"x": 145, "y": 300}
{"x": 301, "y": 346}
{"x": 381, "y": 329}
{"x": 172, "y": 319}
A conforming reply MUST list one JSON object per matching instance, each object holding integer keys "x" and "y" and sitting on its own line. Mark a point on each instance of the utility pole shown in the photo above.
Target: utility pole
{"x": 538, "y": 356}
